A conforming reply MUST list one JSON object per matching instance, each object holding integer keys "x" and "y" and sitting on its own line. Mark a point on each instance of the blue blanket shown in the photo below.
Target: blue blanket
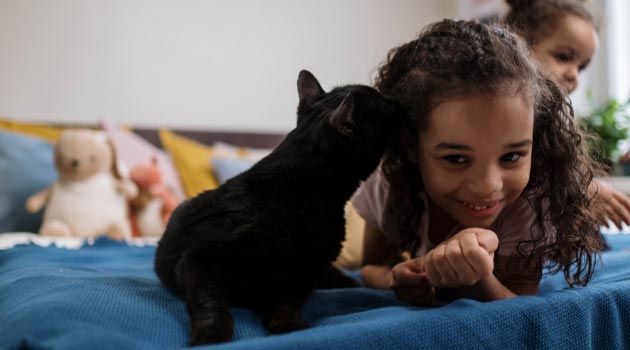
{"x": 106, "y": 296}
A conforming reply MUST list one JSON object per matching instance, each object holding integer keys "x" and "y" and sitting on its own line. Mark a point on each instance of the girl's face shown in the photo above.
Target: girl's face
{"x": 475, "y": 156}
{"x": 567, "y": 50}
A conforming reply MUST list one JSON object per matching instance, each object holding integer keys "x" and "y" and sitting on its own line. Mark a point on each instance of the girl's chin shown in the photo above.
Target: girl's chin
{"x": 486, "y": 223}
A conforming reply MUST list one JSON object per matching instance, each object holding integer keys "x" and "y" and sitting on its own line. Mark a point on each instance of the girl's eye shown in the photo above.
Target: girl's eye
{"x": 511, "y": 157}
{"x": 455, "y": 159}
{"x": 563, "y": 57}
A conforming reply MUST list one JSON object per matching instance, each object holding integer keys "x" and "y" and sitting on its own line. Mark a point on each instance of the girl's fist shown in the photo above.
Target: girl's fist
{"x": 463, "y": 260}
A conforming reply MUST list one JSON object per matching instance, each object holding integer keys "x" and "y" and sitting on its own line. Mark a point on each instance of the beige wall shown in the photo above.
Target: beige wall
{"x": 185, "y": 63}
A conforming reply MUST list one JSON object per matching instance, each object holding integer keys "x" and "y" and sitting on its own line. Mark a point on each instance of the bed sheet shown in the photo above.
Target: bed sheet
{"x": 106, "y": 296}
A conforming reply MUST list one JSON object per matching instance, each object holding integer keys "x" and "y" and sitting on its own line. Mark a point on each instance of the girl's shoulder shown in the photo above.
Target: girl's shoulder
{"x": 517, "y": 223}
{"x": 370, "y": 201}
{"x": 374, "y": 189}
{"x": 521, "y": 209}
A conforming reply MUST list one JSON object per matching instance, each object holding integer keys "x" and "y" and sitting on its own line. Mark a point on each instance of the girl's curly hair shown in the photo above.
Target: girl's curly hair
{"x": 464, "y": 58}
{"x": 532, "y": 19}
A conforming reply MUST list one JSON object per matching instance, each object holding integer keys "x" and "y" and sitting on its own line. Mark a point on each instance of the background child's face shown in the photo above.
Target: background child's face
{"x": 567, "y": 50}
{"x": 475, "y": 156}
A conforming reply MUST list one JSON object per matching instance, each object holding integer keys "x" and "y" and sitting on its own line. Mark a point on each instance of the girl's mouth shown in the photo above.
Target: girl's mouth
{"x": 481, "y": 209}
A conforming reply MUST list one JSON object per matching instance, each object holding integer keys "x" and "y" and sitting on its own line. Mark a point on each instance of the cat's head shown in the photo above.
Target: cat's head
{"x": 352, "y": 123}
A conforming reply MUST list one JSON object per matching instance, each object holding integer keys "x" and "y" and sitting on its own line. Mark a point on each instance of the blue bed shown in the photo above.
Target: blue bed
{"x": 106, "y": 296}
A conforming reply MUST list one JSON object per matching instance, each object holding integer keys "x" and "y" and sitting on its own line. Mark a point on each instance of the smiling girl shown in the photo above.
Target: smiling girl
{"x": 487, "y": 184}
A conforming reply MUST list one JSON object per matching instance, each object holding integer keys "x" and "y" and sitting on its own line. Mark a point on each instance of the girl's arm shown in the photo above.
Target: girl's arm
{"x": 609, "y": 204}
{"x": 378, "y": 259}
{"x": 517, "y": 274}
{"x": 407, "y": 280}
{"x": 488, "y": 289}
{"x": 512, "y": 277}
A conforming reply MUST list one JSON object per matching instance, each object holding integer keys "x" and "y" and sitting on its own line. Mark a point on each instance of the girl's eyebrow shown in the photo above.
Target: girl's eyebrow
{"x": 459, "y": 147}
{"x": 455, "y": 146}
{"x": 523, "y": 143}
{"x": 570, "y": 49}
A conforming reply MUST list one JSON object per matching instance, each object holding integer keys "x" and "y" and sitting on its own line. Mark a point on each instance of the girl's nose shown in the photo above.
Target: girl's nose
{"x": 487, "y": 183}
{"x": 571, "y": 76}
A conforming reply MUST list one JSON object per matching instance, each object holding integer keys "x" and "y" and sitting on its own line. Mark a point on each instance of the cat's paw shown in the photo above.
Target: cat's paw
{"x": 287, "y": 326}
{"x": 201, "y": 337}
{"x": 204, "y": 334}
{"x": 335, "y": 278}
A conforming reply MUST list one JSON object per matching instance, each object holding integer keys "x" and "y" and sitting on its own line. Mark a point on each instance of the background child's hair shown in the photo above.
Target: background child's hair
{"x": 466, "y": 58}
{"x": 534, "y": 18}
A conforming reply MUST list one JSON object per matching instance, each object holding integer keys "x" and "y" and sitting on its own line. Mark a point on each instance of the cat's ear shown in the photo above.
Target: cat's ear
{"x": 341, "y": 118}
{"x": 308, "y": 86}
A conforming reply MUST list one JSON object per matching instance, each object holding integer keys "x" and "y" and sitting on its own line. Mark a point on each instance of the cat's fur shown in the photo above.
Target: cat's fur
{"x": 266, "y": 237}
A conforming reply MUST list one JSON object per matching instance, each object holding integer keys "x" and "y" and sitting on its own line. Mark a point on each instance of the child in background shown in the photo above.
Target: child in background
{"x": 561, "y": 34}
{"x": 563, "y": 39}
{"x": 488, "y": 181}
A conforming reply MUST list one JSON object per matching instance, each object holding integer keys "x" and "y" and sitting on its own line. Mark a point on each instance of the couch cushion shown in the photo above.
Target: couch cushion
{"x": 26, "y": 165}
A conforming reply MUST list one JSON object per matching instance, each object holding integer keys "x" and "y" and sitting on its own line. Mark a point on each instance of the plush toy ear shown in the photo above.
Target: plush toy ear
{"x": 308, "y": 86}
{"x": 341, "y": 117}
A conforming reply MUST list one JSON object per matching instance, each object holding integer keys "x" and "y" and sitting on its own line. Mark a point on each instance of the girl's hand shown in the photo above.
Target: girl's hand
{"x": 463, "y": 260}
{"x": 411, "y": 284}
{"x": 610, "y": 204}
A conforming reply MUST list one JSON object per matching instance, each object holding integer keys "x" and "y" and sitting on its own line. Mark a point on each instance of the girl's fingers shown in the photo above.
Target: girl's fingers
{"x": 421, "y": 296}
{"x": 477, "y": 257}
{"x": 404, "y": 274}
{"x": 412, "y": 286}
{"x": 488, "y": 240}
{"x": 417, "y": 264}
{"x": 613, "y": 216}
{"x": 463, "y": 260}
{"x": 620, "y": 208}
{"x": 447, "y": 272}
{"x": 469, "y": 243}
{"x": 418, "y": 282}
{"x": 466, "y": 275}
{"x": 623, "y": 199}
{"x": 431, "y": 271}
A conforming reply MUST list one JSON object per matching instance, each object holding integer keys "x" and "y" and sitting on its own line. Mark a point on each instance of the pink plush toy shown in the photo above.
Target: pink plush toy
{"x": 152, "y": 208}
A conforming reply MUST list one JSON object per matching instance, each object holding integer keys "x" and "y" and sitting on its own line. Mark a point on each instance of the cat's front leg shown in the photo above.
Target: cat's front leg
{"x": 286, "y": 318}
{"x": 335, "y": 278}
{"x": 206, "y": 300}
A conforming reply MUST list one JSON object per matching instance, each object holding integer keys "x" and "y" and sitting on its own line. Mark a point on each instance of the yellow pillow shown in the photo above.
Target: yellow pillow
{"x": 192, "y": 160}
{"x": 45, "y": 132}
{"x": 351, "y": 255}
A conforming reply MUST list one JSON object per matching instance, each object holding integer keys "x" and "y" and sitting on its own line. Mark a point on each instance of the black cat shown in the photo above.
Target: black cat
{"x": 267, "y": 236}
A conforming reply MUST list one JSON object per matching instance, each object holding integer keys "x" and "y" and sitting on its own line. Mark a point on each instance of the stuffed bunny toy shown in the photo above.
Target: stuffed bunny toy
{"x": 90, "y": 197}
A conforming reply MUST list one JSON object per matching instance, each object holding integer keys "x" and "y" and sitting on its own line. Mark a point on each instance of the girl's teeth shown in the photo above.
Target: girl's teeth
{"x": 475, "y": 207}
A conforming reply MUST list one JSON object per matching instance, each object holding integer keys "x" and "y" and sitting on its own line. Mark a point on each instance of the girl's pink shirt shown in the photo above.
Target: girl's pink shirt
{"x": 513, "y": 225}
